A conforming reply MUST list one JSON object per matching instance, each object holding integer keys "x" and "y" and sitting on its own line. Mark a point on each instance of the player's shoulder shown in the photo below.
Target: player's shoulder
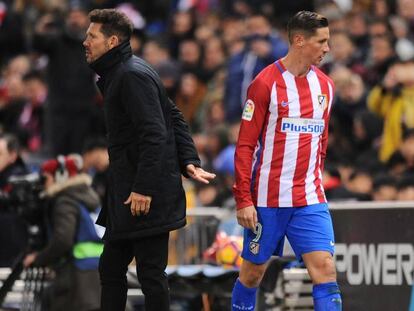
{"x": 266, "y": 76}
{"x": 268, "y": 72}
{"x": 323, "y": 75}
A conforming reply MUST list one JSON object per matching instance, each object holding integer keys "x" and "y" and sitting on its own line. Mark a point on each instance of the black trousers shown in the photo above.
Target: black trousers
{"x": 151, "y": 255}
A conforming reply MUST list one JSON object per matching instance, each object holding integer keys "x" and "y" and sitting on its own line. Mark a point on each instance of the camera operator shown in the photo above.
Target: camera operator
{"x": 74, "y": 247}
{"x": 11, "y": 164}
{"x": 393, "y": 101}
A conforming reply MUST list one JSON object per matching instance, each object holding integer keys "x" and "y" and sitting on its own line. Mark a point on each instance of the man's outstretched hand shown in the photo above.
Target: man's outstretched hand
{"x": 197, "y": 173}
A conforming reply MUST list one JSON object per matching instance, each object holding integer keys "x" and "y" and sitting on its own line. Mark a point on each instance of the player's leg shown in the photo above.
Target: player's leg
{"x": 310, "y": 233}
{"x": 321, "y": 268}
{"x": 245, "y": 288}
{"x": 258, "y": 247}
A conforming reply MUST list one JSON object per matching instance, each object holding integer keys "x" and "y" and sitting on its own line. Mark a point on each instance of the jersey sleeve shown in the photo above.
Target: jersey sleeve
{"x": 252, "y": 123}
{"x": 326, "y": 130}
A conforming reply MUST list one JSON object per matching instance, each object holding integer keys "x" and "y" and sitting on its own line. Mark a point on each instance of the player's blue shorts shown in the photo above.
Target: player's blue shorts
{"x": 307, "y": 228}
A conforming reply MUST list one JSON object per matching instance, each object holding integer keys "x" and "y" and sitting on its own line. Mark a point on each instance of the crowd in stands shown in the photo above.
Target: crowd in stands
{"x": 207, "y": 52}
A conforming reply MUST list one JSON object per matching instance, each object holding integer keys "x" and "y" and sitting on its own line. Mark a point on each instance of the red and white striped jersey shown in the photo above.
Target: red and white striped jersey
{"x": 283, "y": 139}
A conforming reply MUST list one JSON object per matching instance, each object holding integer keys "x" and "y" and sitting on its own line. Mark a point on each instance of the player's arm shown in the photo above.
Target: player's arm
{"x": 324, "y": 142}
{"x": 378, "y": 101}
{"x": 253, "y": 118}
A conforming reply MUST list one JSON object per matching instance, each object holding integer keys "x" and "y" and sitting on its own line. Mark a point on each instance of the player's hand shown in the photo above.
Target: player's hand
{"x": 29, "y": 259}
{"x": 247, "y": 217}
{"x": 390, "y": 80}
{"x": 140, "y": 204}
{"x": 197, "y": 173}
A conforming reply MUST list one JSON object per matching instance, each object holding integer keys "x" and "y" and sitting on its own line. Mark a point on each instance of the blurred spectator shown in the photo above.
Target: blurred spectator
{"x": 190, "y": 95}
{"x": 366, "y": 137}
{"x": 11, "y": 163}
{"x": 190, "y": 56}
{"x": 379, "y": 27}
{"x": 137, "y": 41}
{"x": 211, "y": 111}
{"x": 208, "y": 194}
{"x": 232, "y": 33}
{"x": 405, "y": 9}
{"x": 392, "y": 101}
{"x": 155, "y": 52}
{"x": 30, "y": 126}
{"x": 217, "y": 140}
{"x": 182, "y": 28}
{"x": 358, "y": 29}
{"x": 360, "y": 184}
{"x": 210, "y": 115}
{"x": 407, "y": 150}
{"x": 213, "y": 59}
{"x": 208, "y": 27}
{"x": 224, "y": 167}
{"x": 396, "y": 165}
{"x": 406, "y": 189}
{"x": 262, "y": 47}
{"x": 72, "y": 92}
{"x": 170, "y": 75}
{"x": 350, "y": 101}
{"x": 12, "y": 98}
{"x": 381, "y": 8}
{"x": 384, "y": 188}
{"x": 95, "y": 163}
{"x": 381, "y": 57}
{"x": 332, "y": 184}
{"x": 343, "y": 53}
{"x": 404, "y": 46}
{"x": 11, "y": 30}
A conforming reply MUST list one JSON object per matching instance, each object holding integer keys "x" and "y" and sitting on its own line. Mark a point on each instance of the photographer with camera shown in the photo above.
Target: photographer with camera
{"x": 392, "y": 100}
{"x": 11, "y": 164}
{"x": 74, "y": 244}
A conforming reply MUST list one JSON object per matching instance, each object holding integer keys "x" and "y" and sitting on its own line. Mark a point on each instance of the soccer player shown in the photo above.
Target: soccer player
{"x": 279, "y": 162}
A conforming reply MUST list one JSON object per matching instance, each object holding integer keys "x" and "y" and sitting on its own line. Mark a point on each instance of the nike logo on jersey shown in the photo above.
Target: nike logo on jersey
{"x": 284, "y": 103}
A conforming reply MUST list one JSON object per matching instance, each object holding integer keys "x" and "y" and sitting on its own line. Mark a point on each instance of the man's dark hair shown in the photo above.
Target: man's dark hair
{"x": 407, "y": 181}
{"x": 408, "y": 133}
{"x": 381, "y": 180}
{"x": 92, "y": 144}
{"x": 12, "y": 143}
{"x": 34, "y": 75}
{"x": 305, "y": 22}
{"x": 114, "y": 23}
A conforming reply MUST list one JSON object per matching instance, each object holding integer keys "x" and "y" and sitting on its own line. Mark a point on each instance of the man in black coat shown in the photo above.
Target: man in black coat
{"x": 149, "y": 147}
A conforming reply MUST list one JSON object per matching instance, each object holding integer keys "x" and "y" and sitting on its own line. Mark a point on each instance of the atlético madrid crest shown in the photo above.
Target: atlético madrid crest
{"x": 254, "y": 247}
{"x": 323, "y": 101}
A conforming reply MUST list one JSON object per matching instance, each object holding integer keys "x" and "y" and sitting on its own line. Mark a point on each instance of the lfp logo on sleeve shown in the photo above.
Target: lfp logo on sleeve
{"x": 302, "y": 126}
{"x": 248, "y": 110}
